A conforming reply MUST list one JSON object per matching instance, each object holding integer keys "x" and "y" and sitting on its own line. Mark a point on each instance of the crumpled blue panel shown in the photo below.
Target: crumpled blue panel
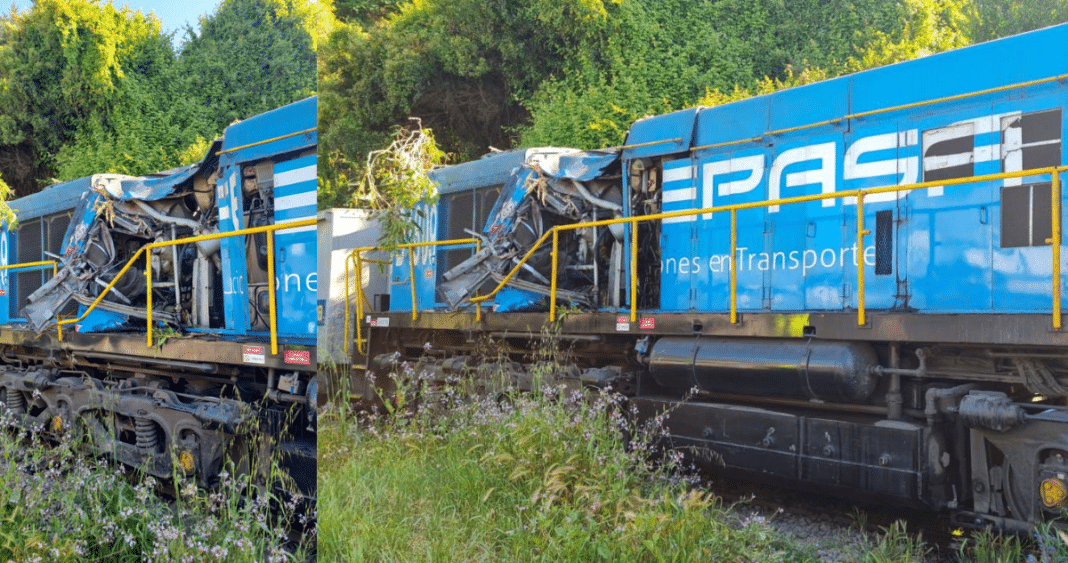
{"x": 512, "y": 300}
{"x": 100, "y": 320}
{"x": 152, "y": 188}
{"x": 585, "y": 166}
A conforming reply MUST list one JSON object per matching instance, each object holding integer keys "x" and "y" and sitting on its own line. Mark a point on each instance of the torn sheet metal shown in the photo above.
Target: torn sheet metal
{"x": 551, "y": 188}
{"x": 114, "y": 218}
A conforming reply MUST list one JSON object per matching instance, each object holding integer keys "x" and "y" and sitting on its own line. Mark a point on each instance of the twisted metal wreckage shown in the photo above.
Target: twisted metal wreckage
{"x": 114, "y": 219}
{"x": 552, "y": 188}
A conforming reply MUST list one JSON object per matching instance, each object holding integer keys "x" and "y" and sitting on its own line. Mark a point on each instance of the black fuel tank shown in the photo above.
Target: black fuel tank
{"x": 814, "y": 369}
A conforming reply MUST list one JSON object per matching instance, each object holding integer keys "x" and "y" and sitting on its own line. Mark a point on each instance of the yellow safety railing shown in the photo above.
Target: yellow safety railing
{"x": 631, "y": 222}
{"x": 1054, "y": 240}
{"x": 356, "y": 258}
{"x": 39, "y": 264}
{"x": 269, "y": 230}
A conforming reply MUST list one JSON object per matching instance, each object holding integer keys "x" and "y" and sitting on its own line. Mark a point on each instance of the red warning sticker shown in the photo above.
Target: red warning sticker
{"x": 647, "y": 322}
{"x": 302, "y": 357}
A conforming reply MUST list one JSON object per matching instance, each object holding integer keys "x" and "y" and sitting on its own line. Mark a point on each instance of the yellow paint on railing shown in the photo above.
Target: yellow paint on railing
{"x": 652, "y": 143}
{"x": 734, "y": 267}
{"x": 552, "y": 285}
{"x": 633, "y": 221}
{"x": 411, "y": 278}
{"x": 358, "y": 260}
{"x": 861, "y": 232}
{"x": 28, "y": 265}
{"x": 518, "y": 266}
{"x": 273, "y": 318}
{"x": 105, "y": 291}
{"x": 269, "y": 229}
{"x": 148, "y": 299}
{"x": 1055, "y": 241}
{"x": 634, "y": 271}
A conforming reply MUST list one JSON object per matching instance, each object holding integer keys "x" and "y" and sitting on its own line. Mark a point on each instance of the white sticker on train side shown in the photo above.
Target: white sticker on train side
{"x": 254, "y": 355}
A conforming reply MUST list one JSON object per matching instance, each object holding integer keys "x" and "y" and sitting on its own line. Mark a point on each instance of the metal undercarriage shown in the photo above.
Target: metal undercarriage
{"x": 186, "y": 406}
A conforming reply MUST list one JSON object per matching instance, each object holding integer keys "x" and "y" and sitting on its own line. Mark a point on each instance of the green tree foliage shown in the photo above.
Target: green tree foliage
{"x": 395, "y": 180}
{"x": 64, "y": 64}
{"x": 364, "y": 12}
{"x": 251, "y": 56}
{"x": 579, "y": 72}
{"x": 86, "y": 87}
{"x": 681, "y": 53}
{"x": 999, "y": 18}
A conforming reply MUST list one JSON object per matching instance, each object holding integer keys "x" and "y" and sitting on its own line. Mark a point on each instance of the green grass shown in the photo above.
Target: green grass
{"x": 546, "y": 476}
{"x": 539, "y": 477}
{"x": 59, "y": 505}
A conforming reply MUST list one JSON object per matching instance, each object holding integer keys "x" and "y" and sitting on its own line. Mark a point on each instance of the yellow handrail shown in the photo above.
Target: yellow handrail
{"x": 357, "y": 260}
{"x": 38, "y": 264}
{"x": 265, "y": 141}
{"x": 25, "y": 265}
{"x": 632, "y": 222}
{"x": 269, "y": 229}
{"x": 861, "y": 232}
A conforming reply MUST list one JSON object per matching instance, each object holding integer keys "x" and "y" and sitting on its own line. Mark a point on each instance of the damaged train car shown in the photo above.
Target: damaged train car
{"x": 853, "y": 286}
{"x": 171, "y": 316}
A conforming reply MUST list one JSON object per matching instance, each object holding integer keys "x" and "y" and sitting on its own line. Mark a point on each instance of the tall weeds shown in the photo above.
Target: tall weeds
{"x": 60, "y": 505}
{"x": 541, "y": 476}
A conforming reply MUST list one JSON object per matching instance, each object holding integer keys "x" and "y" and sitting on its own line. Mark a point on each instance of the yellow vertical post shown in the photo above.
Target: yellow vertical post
{"x": 359, "y": 302}
{"x": 411, "y": 278}
{"x": 478, "y": 304}
{"x": 734, "y": 267}
{"x": 861, "y": 319}
{"x": 633, "y": 271}
{"x": 1055, "y": 241}
{"x": 148, "y": 295}
{"x": 273, "y": 319}
{"x": 59, "y": 327}
{"x": 552, "y": 282}
{"x": 348, "y": 274}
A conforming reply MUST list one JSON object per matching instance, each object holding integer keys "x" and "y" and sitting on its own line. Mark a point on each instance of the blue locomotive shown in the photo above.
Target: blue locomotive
{"x": 171, "y": 315}
{"x": 852, "y": 286}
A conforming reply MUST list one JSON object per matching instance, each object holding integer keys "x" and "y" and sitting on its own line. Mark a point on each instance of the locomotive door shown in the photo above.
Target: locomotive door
{"x": 950, "y": 230}
{"x": 1023, "y": 220}
{"x": 875, "y": 159}
{"x": 295, "y": 249}
{"x": 677, "y": 236}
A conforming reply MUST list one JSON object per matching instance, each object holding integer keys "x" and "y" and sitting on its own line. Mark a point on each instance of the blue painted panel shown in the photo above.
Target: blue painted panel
{"x": 676, "y": 234}
{"x": 295, "y": 256}
{"x": 423, "y": 259}
{"x": 809, "y": 104}
{"x": 730, "y": 123}
{"x": 490, "y": 170}
{"x": 245, "y": 141}
{"x": 663, "y": 134}
{"x": 980, "y": 67}
{"x": 232, "y": 250}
